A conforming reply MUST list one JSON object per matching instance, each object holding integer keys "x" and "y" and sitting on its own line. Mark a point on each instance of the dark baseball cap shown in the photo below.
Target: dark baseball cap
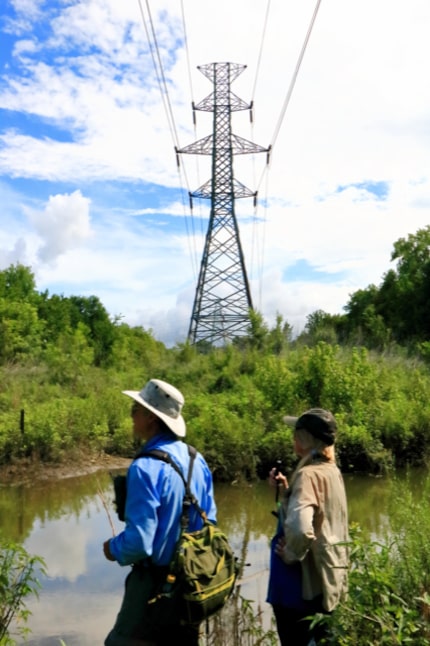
{"x": 318, "y": 422}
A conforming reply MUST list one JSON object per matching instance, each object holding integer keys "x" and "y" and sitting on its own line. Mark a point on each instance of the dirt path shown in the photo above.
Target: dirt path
{"x": 28, "y": 471}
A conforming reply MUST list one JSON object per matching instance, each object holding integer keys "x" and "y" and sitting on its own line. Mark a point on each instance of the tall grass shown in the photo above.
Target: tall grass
{"x": 18, "y": 579}
{"x": 389, "y": 582}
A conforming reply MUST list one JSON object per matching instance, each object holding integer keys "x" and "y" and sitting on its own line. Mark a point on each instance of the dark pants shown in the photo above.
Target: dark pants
{"x": 141, "y": 624}
{"x": 294, "y": 630}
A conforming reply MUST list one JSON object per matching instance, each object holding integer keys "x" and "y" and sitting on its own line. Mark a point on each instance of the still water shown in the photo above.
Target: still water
{"x": 66, "y": 522}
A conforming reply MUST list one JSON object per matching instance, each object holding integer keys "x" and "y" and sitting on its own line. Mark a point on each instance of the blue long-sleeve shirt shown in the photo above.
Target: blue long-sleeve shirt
{"x": 155, "y": 493}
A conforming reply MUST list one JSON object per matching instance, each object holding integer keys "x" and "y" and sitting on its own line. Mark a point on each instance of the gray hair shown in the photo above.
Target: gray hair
{"x": 311, "y": 442}
{"x": 315, "y": 448}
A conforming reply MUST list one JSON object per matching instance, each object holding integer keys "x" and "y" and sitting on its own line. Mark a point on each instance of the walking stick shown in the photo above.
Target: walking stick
{"x": 278, "y": 465}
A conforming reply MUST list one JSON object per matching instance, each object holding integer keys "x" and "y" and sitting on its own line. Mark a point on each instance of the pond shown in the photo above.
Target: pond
{"x": 66, "y": 521}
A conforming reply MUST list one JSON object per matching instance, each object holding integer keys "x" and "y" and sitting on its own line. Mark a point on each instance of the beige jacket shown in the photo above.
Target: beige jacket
{"x": 315, "y": 522}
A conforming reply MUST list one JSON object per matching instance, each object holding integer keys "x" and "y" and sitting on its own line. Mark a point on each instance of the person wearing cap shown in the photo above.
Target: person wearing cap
{"x": 309, "y": 554}
{"x": 152, "y": 515}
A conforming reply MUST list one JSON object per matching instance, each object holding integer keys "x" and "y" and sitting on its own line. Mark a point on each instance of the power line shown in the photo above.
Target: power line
{"x": 187, "y": 53}
{"x": 257, "y": 240}
{"x": 260, "y": 54}
{"x": 292, "y": 84}
{"x": 158, "y": 68}
{"x": 294, "y": 79}
{"x": 161, "y": 80}
{"x": 195, "y": 259}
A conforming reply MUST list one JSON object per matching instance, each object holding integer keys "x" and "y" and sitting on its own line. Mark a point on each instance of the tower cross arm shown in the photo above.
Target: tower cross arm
{"x": 200, "y": 147}
{"x": 236, "y": 190}
{"x": 241, "y": 146}
{"x": 228, "y": 101}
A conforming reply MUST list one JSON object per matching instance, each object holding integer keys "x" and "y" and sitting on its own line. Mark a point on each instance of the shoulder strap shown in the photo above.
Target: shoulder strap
{"x": 165, "y": 457}
{"x": 189, "y": 498}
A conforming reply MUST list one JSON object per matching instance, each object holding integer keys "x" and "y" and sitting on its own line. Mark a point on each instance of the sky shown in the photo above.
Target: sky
{"x": 92, "y": 196}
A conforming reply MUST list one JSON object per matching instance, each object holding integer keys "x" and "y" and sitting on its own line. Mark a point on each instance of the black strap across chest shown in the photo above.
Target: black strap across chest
{"x": 189, "y": 498}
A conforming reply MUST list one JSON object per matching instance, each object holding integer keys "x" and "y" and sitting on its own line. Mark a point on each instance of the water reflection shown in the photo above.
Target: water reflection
{"x": 66, "y": 523}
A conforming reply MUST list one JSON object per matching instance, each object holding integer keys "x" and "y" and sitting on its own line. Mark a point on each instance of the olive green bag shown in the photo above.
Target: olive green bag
{"x": 207, "y": 569}
{"x": 203, "y": 570}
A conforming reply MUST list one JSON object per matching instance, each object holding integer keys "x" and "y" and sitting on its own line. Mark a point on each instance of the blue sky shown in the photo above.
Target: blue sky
{"x": 91, "y": 195}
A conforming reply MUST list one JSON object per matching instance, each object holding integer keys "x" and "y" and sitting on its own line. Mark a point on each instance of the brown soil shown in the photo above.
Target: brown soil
{"x": 29, "y": 470}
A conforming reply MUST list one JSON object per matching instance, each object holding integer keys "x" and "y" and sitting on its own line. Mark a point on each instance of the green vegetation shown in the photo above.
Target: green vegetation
{"x": 64, "y": 362}
{"x": 394, "y": 313}
{"x": 18, "y": 580}
{"x": 239, "y": 624}
{"x": 235, "y": 399}
{"x": 389, "y": 585}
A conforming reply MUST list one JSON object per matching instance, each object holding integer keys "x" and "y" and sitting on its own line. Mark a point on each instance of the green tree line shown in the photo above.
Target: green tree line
{"x": 64, "y": 362}
{"x": 396, "y": 312}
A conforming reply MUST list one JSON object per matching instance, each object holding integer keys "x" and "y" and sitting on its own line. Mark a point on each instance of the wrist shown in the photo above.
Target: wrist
{"x": 107, "y": 552}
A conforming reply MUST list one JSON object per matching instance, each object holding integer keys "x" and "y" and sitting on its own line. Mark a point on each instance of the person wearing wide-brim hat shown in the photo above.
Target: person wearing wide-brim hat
{"x": 309, "y": 555}
{"x": 152, "y": 513}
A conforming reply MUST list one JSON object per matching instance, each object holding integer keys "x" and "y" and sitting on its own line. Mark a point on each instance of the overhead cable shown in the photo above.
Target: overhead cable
{"x": 195, "y": 254}
{"x": 161, "y": 79}
{"x": 263, "y": 36}
{"x": 294, "y": 79}
{"x": 187, "y": 51}
{"x": 158, "y": 68}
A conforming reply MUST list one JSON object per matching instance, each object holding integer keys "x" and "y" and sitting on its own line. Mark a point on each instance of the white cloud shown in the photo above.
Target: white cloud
{"x": 63, "y": 225}
{"x": 91, "y": 126}
{"x": 52, "y": 549}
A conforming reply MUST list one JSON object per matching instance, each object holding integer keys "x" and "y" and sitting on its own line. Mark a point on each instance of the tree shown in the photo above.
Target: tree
{"x": 17, "y": 283}
{"x": 399, "y": 309}
{"x": 280, "y": 335}
{"x": 55, "y": 311}
{"x": 20, "y": 330}
{"x": 413, "y": 285}
{"x": 366, "y": 324}
{"x": 258, "y": 330}
{"x": 321, "y": 326}
{"x": 101, "y": 330}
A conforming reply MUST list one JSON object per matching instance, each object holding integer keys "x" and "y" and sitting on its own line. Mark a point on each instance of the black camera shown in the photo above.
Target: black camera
{"x": 278, "y": 467}
{"x": 120, "y": 489}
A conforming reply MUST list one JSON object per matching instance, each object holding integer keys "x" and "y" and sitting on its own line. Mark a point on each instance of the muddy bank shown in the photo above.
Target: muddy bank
{"x": 29, "y": 470}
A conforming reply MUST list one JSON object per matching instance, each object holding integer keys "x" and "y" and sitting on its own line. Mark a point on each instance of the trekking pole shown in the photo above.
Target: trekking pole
{"x": 103, "y": 499}
{"x": 278, "y": 465}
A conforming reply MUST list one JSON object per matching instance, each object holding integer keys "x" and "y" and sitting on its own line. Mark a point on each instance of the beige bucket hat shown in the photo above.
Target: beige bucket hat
{"x": 165, "y": 401}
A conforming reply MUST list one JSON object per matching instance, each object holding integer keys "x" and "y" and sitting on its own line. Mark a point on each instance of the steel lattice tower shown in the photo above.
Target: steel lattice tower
{"x": 222, "y": 301}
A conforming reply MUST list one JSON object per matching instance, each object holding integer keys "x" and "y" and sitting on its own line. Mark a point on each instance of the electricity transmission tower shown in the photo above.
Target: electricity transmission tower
{"x": 222, "y": 302}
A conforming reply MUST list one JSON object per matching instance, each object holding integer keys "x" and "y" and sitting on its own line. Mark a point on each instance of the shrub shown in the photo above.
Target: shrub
{"x": 17, "y": 581}
{"x": 389, "y": 582}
